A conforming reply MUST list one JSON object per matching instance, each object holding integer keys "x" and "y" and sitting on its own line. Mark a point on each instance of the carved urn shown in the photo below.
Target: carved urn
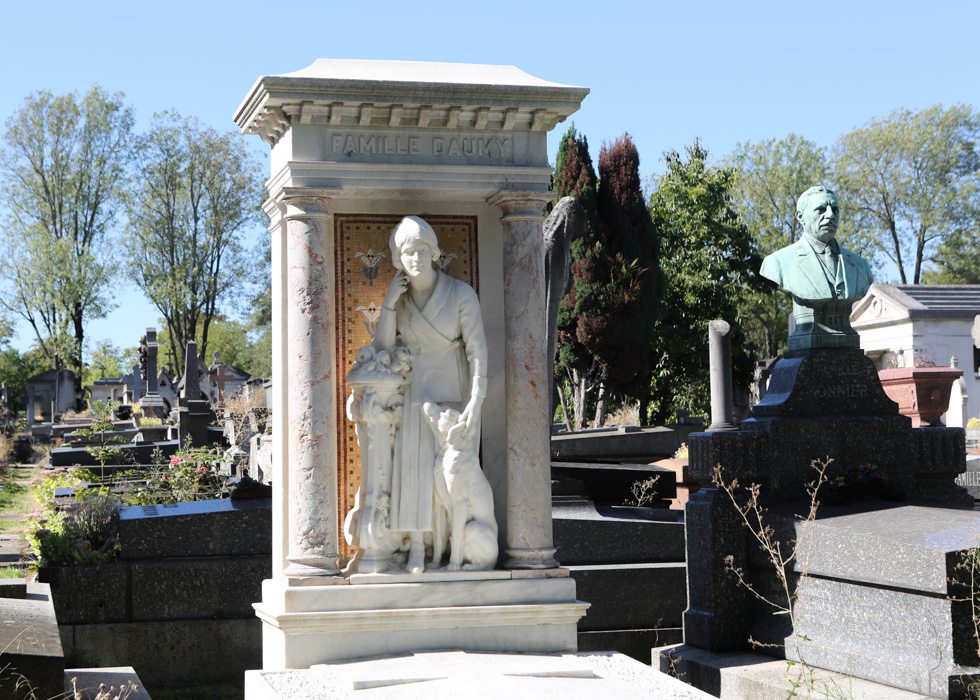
{"x": 922, "y": 393}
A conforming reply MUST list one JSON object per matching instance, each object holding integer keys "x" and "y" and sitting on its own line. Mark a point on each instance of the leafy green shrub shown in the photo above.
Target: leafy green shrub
{"x": 6, "y": 452}
{"x": 150, "y": 422}
{"x": 84, "y": 534}
{"x": 191, "y": 475}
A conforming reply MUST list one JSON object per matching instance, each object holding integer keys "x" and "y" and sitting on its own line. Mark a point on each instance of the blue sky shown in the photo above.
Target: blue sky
{"x": 666, "y": 72}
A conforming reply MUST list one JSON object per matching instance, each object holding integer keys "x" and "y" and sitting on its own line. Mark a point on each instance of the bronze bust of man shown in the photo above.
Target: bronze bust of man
{"x": 824, "y": 278}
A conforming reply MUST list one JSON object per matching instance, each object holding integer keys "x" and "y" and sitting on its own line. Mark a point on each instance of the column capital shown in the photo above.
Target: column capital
{"x": 521, "y": 205}
{"x": 301, "y": 202}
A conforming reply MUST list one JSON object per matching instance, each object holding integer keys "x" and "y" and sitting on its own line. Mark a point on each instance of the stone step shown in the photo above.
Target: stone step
{"x": 746, "y": 675}
{"x": 587, "y": 535}
{"x": 631, "y": 596}
{"x": 636, "y": 644}
{"x": 616, "y": 484}
{"x": 616, "y": 444}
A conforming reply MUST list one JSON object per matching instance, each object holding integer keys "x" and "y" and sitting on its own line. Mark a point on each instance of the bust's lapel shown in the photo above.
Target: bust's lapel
{"x": 850, "y": 272}
{"x": 812, "y": 269}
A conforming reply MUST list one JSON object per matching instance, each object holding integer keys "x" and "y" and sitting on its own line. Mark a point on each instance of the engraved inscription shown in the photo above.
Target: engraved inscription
{"x": 844, "y": 391}
{"x": 378, "y": 145}
{"x": 472, "y": 147}
{"x": 462, "y": 147}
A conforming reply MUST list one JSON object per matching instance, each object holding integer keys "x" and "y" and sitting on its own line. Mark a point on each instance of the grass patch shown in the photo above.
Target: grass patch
{"x": 16, "y": 499}
{"x": 12, "y": 572}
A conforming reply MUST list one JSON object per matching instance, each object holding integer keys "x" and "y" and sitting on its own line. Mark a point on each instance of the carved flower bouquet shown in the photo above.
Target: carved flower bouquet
{"x": 861, "y": 481}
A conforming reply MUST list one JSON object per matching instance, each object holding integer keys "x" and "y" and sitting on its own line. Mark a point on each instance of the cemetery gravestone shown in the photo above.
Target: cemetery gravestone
{"x": 194, "y": 412}
{"x": 825, "y": 401}
{"x": 151, "y": 403}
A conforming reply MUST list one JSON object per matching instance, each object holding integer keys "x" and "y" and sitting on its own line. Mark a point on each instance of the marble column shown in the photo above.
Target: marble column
{"x": 527, "y": 386}
{"x": 313, "y": 537}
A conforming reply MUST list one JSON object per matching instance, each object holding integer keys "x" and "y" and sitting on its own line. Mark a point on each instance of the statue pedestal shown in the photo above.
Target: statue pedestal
{"x": 307, "y": 622}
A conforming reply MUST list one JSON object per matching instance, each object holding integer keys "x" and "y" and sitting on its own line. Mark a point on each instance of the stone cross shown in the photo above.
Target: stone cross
{"x": 192, "y": 382}
{"x": 221, "y": 377}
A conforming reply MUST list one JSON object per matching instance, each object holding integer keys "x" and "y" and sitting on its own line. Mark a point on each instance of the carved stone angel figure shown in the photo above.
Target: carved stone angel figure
{"x": 429, "y": 348}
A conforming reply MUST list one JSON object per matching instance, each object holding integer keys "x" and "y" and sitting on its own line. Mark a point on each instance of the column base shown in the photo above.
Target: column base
{"x": 531, "y": 559}
{"x": 312, "y": 566}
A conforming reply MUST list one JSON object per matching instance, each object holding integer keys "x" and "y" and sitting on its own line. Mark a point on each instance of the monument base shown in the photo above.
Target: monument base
{"x": 319, "y": 620}
{"x": 456, "y": 674}
{"x": 152, "y": 406}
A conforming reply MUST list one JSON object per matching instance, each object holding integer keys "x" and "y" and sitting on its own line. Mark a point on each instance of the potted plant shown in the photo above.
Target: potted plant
{"x": 152, "y": 430}
{"x": 921, "y": 391}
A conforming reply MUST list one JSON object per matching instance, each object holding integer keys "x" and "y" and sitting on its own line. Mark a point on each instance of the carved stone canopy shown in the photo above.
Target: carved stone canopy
{"x": 418, "y": 95}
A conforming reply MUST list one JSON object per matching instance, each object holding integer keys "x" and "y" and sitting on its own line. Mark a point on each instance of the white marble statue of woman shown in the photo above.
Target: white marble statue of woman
{"x": 438, "y": 319}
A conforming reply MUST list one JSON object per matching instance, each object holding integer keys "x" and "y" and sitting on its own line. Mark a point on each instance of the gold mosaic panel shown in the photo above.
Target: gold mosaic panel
{"x": 364, "y": 271}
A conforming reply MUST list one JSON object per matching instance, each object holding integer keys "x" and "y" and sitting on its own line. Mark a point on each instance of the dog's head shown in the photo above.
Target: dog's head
{"x": 440, "y": 418}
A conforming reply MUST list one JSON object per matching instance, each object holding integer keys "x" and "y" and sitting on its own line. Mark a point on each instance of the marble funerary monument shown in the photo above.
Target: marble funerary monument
{"x": 357, "y": 146}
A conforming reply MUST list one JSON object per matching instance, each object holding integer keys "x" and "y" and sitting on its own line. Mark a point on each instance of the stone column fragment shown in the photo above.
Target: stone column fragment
{"x": 720, "y": 368}
{"x": 529, "y": 543}
{"x": 313, "y": 541}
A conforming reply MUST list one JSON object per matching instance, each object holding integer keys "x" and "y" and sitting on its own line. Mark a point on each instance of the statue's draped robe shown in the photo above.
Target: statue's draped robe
{"x": 449, "y": 359}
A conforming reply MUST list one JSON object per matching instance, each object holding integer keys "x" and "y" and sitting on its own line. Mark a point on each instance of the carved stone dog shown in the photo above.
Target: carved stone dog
{"x": 463, "y": 498}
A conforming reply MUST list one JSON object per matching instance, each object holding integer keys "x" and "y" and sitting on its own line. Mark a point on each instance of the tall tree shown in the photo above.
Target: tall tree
{"x": 62, "y": 170}
{"x": 769, "y": 178}
{"x": 912, "y": 180}
{"x": 195, "y": 193}
{"x": 706, "y": 254}
{"x": 575, "y": 176}
{"x": 957, "y": 258}
{"x": 616, "y": 282}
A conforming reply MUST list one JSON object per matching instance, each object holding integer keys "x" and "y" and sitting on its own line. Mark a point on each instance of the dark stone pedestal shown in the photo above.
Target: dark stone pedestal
{"x": 193, "y": 418}
{"x": 829, "y": 405}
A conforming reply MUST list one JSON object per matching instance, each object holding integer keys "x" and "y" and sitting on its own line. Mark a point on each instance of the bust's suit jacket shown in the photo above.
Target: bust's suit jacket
{"x": 797, "y": 269}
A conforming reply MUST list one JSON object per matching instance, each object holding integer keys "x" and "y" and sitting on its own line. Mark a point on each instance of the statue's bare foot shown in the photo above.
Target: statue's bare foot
{"x": 452, "y": 567}
{"x": 416, "y": 559}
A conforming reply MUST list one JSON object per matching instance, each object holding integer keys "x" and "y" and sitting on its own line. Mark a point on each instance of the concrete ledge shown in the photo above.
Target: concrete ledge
{"x": 631, "y": 596}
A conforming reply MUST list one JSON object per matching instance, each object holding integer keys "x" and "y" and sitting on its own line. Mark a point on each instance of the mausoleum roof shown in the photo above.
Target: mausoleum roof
{"x": 924, "y": 300}
{"x": 346, "y": 92}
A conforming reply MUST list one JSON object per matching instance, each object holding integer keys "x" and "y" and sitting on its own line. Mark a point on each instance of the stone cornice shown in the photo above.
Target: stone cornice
{"x": 321, "y": 95}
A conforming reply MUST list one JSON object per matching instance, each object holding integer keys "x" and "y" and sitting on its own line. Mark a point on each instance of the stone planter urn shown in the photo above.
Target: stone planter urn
{"x": 922, "y": 393}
